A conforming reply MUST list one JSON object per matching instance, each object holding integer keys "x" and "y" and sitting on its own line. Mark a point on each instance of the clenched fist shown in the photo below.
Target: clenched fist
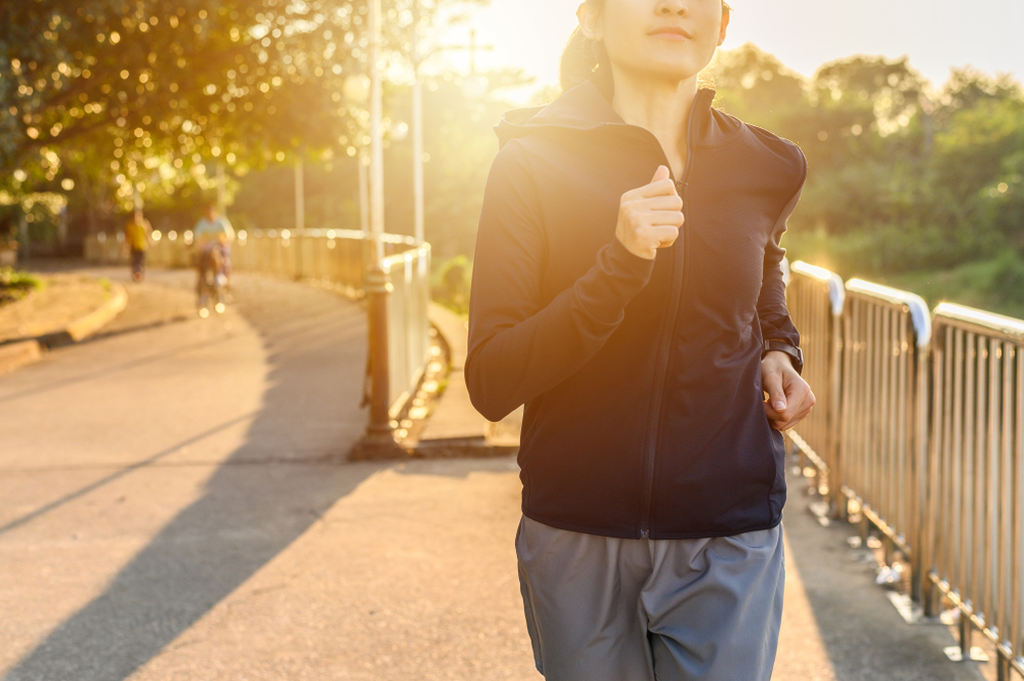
{"x": 650, "y": 216}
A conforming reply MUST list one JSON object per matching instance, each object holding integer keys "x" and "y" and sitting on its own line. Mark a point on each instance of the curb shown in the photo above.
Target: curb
{"x": 100, "y": 317}
{"x": 14, "y": 355}
{"x": 19, "y": 353}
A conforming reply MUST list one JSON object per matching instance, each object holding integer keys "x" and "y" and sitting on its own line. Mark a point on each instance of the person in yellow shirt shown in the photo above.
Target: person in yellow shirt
{"x": 136, "y": 236}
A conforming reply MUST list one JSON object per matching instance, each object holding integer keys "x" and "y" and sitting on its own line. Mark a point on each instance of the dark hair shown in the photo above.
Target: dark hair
{"x": 584, "y": 58}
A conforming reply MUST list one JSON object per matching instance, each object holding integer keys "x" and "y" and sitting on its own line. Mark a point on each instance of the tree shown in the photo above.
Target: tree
{"x": 127, "y": 94}
{"x": 755, "y": 86}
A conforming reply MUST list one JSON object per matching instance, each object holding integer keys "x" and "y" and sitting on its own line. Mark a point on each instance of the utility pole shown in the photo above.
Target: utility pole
{"x": 364, "y": 193}
{"x": 417, "y": 127}
{"x": 376, "y": 389}
{"x": 418, "y": 56}
{"x": 300, "y": 199}
{"x": 376, "y": 146}
{"x": 299, "y": 241}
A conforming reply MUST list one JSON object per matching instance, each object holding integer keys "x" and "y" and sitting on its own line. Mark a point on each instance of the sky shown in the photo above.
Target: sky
{"x": 936, "y": 35}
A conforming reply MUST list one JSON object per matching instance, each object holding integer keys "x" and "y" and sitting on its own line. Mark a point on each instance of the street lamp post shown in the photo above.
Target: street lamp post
{"x": 417, "y": 127}
{"x": 376, "y": 145}
{"x": 379, "y": 432}
{"x": 300, "y": 199}
{"x": 379, "y": 438}
{"x": 418, "y": 56}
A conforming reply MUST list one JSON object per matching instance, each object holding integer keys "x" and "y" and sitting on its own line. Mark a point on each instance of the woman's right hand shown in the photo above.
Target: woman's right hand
{"x": 650, "y": 216}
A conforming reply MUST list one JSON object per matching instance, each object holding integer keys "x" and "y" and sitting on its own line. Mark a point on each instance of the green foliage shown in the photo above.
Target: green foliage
{"x": 110, "y": 97}
{"x": 450, "y": 282}
{"x": 756, "y": 87}
{"x": 15, "y": 284}
{"x": 900, "y": 179}
{"x": 995, "y": 284}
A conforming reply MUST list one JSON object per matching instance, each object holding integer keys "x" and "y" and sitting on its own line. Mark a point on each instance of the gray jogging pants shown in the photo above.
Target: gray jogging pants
{"x": 607, "y": 609}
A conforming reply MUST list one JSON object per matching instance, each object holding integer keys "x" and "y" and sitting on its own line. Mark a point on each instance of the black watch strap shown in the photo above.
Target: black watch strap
{"x": 795, "y": 354}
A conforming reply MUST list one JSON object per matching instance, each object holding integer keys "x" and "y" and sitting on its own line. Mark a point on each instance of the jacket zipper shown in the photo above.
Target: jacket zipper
{"x": 664, "y": 354}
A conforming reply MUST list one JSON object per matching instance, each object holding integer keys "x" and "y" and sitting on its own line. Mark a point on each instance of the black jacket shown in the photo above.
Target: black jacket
{"x": 641, "y": 379}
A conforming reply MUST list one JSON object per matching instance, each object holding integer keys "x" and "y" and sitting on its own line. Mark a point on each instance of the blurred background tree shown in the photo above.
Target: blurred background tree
{"x": 105, "y": 100}
{"x": 911, "y": 185}
{"x": 108, "y": 99}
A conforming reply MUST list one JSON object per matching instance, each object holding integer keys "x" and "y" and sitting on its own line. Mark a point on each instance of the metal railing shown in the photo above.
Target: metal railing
{"x": 815, "y": 298}
{"x": 398, "y": 287}
{"x": 883, "y": 413}
{"x": 976, "y": 506}
{"x": 409, "y": 274}
{"x": 923, "y": 435}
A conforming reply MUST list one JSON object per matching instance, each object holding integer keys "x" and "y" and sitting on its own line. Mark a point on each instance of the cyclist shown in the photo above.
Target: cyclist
{"x": 212, "y": 239}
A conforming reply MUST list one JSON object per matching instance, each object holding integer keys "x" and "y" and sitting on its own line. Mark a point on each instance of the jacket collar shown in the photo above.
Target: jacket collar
{"x": 588, "y": 107}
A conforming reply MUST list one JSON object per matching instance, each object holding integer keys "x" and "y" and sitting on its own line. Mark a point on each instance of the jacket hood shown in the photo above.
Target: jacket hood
{"x": 587, "y": 106}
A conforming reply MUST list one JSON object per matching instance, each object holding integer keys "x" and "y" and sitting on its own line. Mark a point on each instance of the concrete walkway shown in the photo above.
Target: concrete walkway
{"x": 174, "y": 507}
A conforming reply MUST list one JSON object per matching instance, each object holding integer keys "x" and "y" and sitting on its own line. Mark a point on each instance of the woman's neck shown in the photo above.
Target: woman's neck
{"x": 661, "y": 106}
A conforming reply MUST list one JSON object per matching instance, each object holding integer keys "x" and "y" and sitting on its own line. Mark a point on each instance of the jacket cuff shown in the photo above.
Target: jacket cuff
{"x": 616, "y": 278}
{"x": 626, "y": 265}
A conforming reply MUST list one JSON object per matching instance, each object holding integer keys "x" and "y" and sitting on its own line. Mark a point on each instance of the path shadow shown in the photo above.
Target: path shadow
{"x": 93, "y": 373}
{"x": 864, "y": 637}
{"x": 247, "y": 514}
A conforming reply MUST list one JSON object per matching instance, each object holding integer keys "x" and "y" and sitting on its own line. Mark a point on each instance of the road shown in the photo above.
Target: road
{"x": 175, "y": 505}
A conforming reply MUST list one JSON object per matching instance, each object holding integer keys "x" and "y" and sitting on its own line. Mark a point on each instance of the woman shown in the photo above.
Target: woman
{"x": 627, "y": 289}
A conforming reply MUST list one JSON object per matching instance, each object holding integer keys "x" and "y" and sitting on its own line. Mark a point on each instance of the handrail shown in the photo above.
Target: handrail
{"x": 976, "y": 476}
{"x": 815, "y": 299}
{"x": 914, "y": 303}
{"x": 981, "y": 321}
{"x": 409, "y": 279}
{"x": 836, "y": 291}
{"x": 884, "y": 411}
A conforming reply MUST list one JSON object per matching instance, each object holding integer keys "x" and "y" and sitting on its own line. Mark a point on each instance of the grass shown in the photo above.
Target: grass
{"x": 989, "y": 282}
{"x": 995, "y": 285}
{"x": 15, "y": 284}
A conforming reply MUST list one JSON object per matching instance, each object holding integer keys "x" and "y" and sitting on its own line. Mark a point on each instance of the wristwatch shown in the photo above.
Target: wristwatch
{"x": 795, "y": 354}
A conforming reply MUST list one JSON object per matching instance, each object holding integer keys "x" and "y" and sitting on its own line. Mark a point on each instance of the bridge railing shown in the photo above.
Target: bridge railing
{"x": 883, "y": 413}
{"x": 409, "y": 274}
{"x": 346, "y": 259}
{"x": 924, "y": 439}
{"x": 815, "y": 298}
{"x": 976, "y": 479}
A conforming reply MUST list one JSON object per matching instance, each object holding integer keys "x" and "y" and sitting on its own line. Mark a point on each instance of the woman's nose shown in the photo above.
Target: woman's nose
{"x": 679, "y": 7}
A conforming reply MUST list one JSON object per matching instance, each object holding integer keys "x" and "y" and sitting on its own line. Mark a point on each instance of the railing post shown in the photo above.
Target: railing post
{"x": 378, "y": 285}
{"x": 816, "y": 299}
{"x": 833, "y": 429}
{"x": 379, "y": 441}
{"x": 923, "y": 531}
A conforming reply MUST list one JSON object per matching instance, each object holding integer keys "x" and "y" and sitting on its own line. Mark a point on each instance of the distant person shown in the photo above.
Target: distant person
{"x": 214, "y": 232}
{"x": 137, "y": 233}
{"x": 627, "y": 288}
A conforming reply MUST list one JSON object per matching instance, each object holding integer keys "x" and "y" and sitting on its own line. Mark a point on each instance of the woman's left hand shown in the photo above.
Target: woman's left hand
{"x": 789, "y": 396}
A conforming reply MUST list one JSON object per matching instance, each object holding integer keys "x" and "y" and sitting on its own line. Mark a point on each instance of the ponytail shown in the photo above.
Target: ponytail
{"x": 583, "y": 58}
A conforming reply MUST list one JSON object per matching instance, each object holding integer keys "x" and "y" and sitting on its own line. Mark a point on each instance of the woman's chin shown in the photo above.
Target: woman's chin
{"x": 667, "y": 67}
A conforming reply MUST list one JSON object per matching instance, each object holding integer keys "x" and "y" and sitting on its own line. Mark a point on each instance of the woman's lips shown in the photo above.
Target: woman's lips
{"x": 671, "y": 34}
